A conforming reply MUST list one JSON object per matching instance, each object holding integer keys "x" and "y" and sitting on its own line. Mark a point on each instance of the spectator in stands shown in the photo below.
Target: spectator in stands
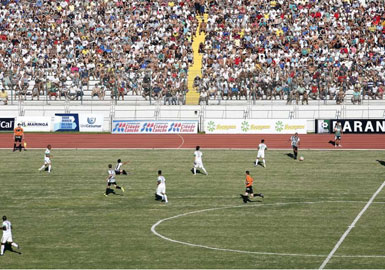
{"x": 305, "y": 98}
{"x": 340, "y": 96}
{"x": 4, "y": 96}
{"x": 322, "y": 44}
{"x": 98, "y": 92}
{"x": 356, "y": 98}
{"x": 203, "y": 97}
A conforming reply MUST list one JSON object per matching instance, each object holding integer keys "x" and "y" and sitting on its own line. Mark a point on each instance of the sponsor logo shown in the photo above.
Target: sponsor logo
{"x": 245, "y": 126}
{"x": 7, "y": 123}
{"x": 91, "y": 120}
{"x": 34, "y": 124}
{"x": 66, "y": 122}
{"x": 279, "y": 126}
{"x": 259, "y": 127}
{"x": 211, "y": 126}
{"x": 154, "y": 127}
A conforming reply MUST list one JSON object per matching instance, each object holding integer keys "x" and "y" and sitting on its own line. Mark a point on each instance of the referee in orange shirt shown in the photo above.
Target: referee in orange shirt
{"x": 18, "y": 136}
{"x": 249, "y": 189}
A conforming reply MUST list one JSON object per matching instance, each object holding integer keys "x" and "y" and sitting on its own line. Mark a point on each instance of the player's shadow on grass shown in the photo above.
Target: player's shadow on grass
{"x": 290, "y": 155}
{"x": 259, "y": 164}
{"x": 381, "y": 162}
{"x": 111, "y": 191}
{"x": 197, "y": 171}
{"x": 332, "y": 143}
{"x": 8, "y": 247}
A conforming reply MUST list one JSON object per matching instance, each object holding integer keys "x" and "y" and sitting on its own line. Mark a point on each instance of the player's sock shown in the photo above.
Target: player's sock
{"x": 107, "y": 191}
{"x": 117, "y": 187}
{"x": 205, "y": 171}
{"x": 195, "y": 171}
{"x": 256, "y": 162}
{"x": 42, "y": 168}
{"x": 14, "y": 147}
{"x": 295, "y": 155}
{"x": 264, "y": 163}
{"x": 49, "y": 168}
{"x": 2, "y": 249}
{"x": 165, "y": 198}
{"x": 259, "y": 195}
{"x": 19, "y": 147}
{"x": 15, "y": 245}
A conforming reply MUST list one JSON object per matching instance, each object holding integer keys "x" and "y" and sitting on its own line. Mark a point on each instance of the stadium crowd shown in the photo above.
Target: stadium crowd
{"x": 259, "y": 49}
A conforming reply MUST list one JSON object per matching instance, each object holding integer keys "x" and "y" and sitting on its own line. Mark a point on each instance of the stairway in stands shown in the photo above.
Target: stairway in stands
{"x": 192, "y": 97}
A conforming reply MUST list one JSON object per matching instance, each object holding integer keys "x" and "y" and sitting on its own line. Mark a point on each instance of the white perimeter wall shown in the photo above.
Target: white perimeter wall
{"x": 204, "y": 113}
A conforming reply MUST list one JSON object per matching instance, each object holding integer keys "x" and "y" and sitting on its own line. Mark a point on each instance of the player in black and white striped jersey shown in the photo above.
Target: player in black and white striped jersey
{"x": 111, "y": 181}
{"x": 295, "y": 144}
{"x": 118, "y": 167}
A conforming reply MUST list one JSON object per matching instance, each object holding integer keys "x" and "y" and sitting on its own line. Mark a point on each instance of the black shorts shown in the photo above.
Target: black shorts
{"x": 111, "y": 183}
{"x": 117, "y": 172}
{"x": 249, "y": 190}
{"x": 295, "y": 148}
{"x": 18, "y": 138}
{"x": 338, "y": 137}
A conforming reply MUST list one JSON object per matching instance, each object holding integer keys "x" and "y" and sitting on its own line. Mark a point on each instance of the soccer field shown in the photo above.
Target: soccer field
{"x": 62, "y": 220}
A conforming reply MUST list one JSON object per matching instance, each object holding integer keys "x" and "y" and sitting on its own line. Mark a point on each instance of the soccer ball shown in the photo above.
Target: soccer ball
{"x": 301, "y": 158}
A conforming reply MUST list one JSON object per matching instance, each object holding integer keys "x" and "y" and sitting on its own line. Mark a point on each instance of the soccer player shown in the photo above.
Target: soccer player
{"x": 111, "y": 180}
{"x": 18, "y": 135}
{"x": 249, "y": 189}
{"x": 337, "y": 134}
{"x": 198, "y": 163}
{"x": 261, "y": 153}
{"x": 7, "y": 235}
{"x": 161, "y": 188}
{"x": 47, "y": 159}
{"x": 118, "y": 167}
{"x": 295, "y": 144}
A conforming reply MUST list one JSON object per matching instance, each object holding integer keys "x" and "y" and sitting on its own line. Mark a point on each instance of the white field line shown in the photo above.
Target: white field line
{"x": 153, "y": 230}
{"x": 325, "y": 262}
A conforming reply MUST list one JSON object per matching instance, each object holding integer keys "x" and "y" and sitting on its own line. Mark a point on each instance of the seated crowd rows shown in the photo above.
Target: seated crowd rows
{"x": 257, "y": 49}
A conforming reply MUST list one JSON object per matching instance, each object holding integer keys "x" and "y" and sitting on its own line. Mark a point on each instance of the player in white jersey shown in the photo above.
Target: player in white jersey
{"x": 118, "y": 167}
{"x": 160, "y": 193}
{"x": 7, "y": 235}
{"x": 198, "y": 163}
{"x": 111, "y": 181}
{"x": 261, "y": 153}
{"x": 47, "y": 159}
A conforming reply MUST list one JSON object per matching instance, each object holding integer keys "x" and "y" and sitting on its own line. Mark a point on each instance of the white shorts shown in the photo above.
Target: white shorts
{"x": 161, "y": 189}
{"x": 47, "y": 160}
{"x": 6, "y": 239}
{"x": 261, "y": 155}
{"x": 198, "y": 164}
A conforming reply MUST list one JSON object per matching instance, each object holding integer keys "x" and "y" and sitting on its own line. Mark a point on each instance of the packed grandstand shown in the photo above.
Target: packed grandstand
{"x": 103, "y": 49}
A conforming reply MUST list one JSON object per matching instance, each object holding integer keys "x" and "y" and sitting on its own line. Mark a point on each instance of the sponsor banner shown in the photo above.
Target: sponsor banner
{"x": 34, "y": 123}
{"x": 7, "y": 124}
{"x": 322, "y": 126}
{"x": 351, "y": 126}
{"x": 66, "y": 122}
{"x": 154, "y": 127}
{"x": 91, "y": 122}
{"x": 255, "y": 126}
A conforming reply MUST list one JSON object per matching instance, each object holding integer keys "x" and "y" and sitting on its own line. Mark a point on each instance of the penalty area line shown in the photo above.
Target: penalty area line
{"x": 325, "y": 262}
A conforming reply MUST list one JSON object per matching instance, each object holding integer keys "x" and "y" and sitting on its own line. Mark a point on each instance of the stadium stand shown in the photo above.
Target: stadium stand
{"x": 98, "y": 51}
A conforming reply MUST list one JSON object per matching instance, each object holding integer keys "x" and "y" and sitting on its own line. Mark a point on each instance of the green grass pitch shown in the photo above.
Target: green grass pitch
{"x": 63, "y": 220}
